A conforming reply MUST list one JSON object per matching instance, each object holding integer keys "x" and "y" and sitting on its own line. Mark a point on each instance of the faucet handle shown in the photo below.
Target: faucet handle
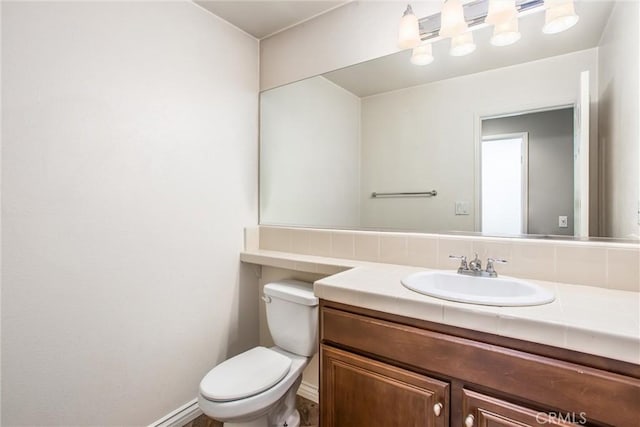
{"x": 490, "y": 261}
{"x": 463, "y": 261}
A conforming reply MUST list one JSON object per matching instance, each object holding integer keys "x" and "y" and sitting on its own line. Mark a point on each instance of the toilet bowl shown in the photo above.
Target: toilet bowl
{"x": 258, "y": 388}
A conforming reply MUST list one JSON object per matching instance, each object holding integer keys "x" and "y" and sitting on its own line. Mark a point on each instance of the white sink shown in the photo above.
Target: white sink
{"x": 499, "y": 291}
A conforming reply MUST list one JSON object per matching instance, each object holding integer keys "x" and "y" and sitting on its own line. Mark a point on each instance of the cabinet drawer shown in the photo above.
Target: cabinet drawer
{"x": 548, "y": 382}
{"x": 480, "y": 410}
{"x": 360, "y": 392}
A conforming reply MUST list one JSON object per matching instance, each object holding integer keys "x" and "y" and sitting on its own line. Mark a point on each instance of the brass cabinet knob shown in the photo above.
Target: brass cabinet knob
{"x": 437, "y": 409}
{"x": 468, "y": 422}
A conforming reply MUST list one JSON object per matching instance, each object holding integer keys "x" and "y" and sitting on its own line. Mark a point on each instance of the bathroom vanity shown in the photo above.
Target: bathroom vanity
{"x": 414, "y": 373}
{"x": 379, "y": 368}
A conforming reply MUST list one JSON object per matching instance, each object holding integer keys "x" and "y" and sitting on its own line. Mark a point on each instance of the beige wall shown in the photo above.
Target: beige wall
{"x": 618, "y": 122}
{"x": 423, "y": 138}
{"x": 129, "y": 169}
{"x": 310, "y": 155}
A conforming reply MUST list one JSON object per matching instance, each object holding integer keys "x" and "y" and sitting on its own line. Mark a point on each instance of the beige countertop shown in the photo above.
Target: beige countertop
{"x": 592, "y": 320}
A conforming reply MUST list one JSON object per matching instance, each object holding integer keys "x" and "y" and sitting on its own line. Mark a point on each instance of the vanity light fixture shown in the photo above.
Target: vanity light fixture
{"x": 457, "y": 21}
{"x": 560, "y": 15}
{"x": 452, "y": 22}
{"x": 503, "y": 15}
{"x": 501, "y": 11}
{"x": 505, "y": 33}
{"x": 422, "y": 55}
{"x": 409, "y": 31}
{"x": 462, "y": 44}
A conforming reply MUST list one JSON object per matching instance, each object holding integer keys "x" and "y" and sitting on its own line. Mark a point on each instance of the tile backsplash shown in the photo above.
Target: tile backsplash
{"x": 601, "y": 264}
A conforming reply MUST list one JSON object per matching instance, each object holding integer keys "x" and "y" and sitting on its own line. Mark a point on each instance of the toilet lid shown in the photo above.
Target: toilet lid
{"x": 244, "y": 375}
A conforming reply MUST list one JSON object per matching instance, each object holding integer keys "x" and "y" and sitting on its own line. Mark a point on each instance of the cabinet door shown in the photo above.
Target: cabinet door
{"x": 360, "y": 392}
{"x": 480, "y": 410}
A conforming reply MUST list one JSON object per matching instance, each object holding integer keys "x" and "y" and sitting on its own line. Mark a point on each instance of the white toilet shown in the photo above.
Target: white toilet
{"x": 258, "y": 387}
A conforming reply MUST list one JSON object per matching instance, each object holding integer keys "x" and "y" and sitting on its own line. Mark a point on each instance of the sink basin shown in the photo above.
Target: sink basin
{"x": 498, "y": 291}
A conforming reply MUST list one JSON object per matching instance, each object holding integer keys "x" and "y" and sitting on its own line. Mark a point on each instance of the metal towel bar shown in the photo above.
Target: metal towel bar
{"x": 431, "y": 193}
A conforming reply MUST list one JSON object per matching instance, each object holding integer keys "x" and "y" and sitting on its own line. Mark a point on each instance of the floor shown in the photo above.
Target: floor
{"x": 309, "y": 416}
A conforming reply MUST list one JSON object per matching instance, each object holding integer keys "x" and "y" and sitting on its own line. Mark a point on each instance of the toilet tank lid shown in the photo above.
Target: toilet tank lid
{"x": 292, "y": 290}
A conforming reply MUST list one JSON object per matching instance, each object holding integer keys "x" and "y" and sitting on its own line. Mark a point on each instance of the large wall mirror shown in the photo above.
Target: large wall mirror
{"x": 537, "y": 138}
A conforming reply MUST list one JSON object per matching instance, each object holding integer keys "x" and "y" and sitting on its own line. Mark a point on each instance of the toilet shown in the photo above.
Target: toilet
{"x": 258, "y": 387}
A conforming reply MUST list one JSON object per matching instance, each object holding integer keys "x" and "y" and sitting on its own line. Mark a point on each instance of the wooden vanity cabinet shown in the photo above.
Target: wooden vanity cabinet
{"x": 385, "y": 370}
{"x": 358, "y": 391}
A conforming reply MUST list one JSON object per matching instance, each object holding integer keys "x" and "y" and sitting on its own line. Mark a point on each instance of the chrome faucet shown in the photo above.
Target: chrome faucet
{"x": 474, "y": 267}
{"x": 475, "y": 264}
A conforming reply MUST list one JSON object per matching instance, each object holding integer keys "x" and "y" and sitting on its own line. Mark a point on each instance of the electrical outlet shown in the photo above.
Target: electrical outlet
{"x": 563, "y": 222}
{"x": 462, "y": 208}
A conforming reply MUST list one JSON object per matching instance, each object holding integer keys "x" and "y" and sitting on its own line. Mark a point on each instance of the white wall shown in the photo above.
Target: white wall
{"x": 310, "y": 155}
{"x": 129, "y": 168}
{"x": 423, "y": 138}
{"x": 618, "y": 121}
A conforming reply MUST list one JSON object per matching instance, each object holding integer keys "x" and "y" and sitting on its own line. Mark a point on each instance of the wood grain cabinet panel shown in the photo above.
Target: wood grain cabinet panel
{"x": 360, "y": 392}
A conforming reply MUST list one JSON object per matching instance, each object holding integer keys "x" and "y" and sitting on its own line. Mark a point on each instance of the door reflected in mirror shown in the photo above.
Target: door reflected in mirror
{"x": 503, "y": 184}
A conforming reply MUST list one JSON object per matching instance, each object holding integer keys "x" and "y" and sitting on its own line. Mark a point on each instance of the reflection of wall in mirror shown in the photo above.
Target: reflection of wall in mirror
{"x": 619, "y": 131}
{"x": 423, "y": 137}
{"x": 309, "y": 157}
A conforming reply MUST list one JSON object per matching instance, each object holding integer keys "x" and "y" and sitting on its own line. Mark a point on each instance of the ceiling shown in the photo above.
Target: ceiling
{"x": 394, "y": 72}
{"x": 264, "y": 18}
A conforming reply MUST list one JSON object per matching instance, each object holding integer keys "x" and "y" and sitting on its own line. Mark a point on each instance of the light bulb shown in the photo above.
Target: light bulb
{"x": 505, "y": 33}
{"x": 422, "y": 55}
{"x": 452, "y": 22}
{"x": 462, "y": 45}
{"x": 409, "y": 31}
{"x": 559, "y": 16}
{"x": 501, "y": 11}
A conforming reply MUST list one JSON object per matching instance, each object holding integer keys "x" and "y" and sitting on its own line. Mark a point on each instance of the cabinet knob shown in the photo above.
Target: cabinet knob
{"x": 468, "y": 422}
{"x": 437, "y": 409}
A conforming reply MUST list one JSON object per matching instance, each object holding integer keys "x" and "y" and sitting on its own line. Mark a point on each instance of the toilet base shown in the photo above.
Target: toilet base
{"x": 292, "y": 421}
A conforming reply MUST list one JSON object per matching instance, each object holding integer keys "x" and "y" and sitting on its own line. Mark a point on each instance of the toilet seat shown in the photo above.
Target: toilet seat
{"x": 244, "y": 375}
{"x": 252, "y": 407}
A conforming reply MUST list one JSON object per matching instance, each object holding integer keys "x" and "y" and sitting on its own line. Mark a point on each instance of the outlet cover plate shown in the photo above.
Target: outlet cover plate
{"x": 563, "y": 221}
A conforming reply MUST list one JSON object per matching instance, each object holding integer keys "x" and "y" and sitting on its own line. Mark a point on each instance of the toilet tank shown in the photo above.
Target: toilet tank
{"x": 292, "y": 316}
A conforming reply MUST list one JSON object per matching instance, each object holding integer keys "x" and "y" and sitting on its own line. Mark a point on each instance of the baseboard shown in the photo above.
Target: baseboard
{"x": 309, "y": 392}
{"x": 181, "y": 416}
{"x": 190, "y": 410}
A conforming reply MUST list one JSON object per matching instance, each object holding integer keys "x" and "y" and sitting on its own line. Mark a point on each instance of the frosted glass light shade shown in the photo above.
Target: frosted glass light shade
{"x": 501, "y": 11}
{"x": 452, "y": 21}
{"x": 505, "y": 33}
{"x": 409, "y": 31}
{"x": 422, "y": 55}
{"x": 559, "y": 16}
{"x": 462, "y": 45}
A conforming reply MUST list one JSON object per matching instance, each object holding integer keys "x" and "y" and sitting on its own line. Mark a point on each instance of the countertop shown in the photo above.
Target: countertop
{"x": 588, "y": 319}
